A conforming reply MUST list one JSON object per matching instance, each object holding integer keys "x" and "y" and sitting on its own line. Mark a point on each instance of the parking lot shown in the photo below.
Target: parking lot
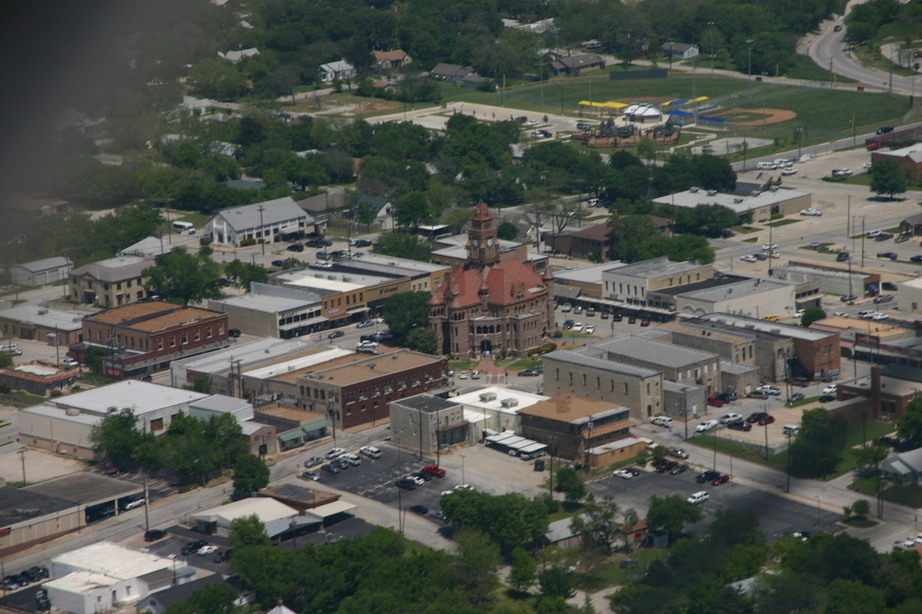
{"x": 777, "y": 515}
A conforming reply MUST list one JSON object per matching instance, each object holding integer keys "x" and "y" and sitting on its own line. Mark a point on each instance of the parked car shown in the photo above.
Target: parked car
{"x": 661, "y": 421}
{"x": 727, "y": 397}
{"x": 311, "y": 475}
{"x": 417, "y": 480}
{"x": 434, "y": 471}
{"x": 313, "y": 462}
{"x": 698, "y": 497}
{"x": 334, "y": 453}
{"x": 790, "y": 429}
{"x": 707, "y": 425}
{"x": 715, "y": 401}
{"x": 811, "y": 211}
{"x": 422, "y": 510}
{"x": 135, "y": 504}
{"x": 757, "y": 394}
{"x": 365, "y": 324}
{"x": 624, "y": 474}
{"x": 755, "y": 416}
{"x": 739, "y": 425}
{"x": 730, "y": 417}
{"x": 679, "y": 468}
{"x": 841, "y": 256}
{"x": 797, "y": 396}
{"x": 406, "y": 483}
{"x": 707, "y": 476}
{"x": 331, "y": 468}
{"x": 889, "y": 286}
{"x": 154, "y": 534}
{"x": 67, "y": 361}
{"x": 193, "y": 546}
{"x": 887, "y": 255}
{"x": 766, "y": 420}
{"x": 222, "y": 555}
{"x": 678, "y": 453}
{"x": 883, "y": 298}
{"x": 360, "y": 243}
{"x": 370, "y": 451}
{"x": 827, "y": 398}
{"x": 723, "y": 478}
{"x": 425, "y": 477}
{"x": 352, "y": 459}
{"x": 830, "y": 389}
{"x": 206, "y": 550}
{"x": 336, "y": 334}
{"x": 768, "y": 388}
{"x": 666, "y": 465}
{"x": 749, "y": 258}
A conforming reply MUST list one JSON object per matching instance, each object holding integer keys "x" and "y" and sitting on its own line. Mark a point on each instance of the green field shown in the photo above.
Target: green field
{"x": 822, "y": 114}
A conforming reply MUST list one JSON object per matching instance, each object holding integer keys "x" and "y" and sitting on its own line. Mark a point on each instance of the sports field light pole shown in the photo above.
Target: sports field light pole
{"x": 711, "y": 23}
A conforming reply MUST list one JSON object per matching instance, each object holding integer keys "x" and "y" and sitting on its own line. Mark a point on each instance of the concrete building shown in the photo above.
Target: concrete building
{"x": 909, "y": 298}
{"x": 835, "y": 280}
{"x": 907, "y": 159}
{"x": 571, "y": 425}
{"x": 423, "y": 276}
{"x": 220, "y": 367}
{"x": 272, "y": 311}
{"x": 631, "y": 283}
{"x": 588, "y": 243}
{"x": 488, "y": 305}
{"x": 582, "y": 282}
{"x": 36, "y": 323}
{"x": 148, "y": 247}
{"x": 110, "y": 283}
{"x": 678, "y": 363}
{"x": 293, "y": 427}
{"x": 495, "y": 409}
{"x": 39, "y": 377}
{"x": 809, "y": 352}
{"x": 64, "y": 424}
{"x": 754, "y": 297}
{"x": 591, "y": 372}
{"x": 755, "y": 205}
{"x": 144, "y": 337}
{"x": 41, "y": 272}
{"x": 105, "y": 577}
{"x": 423, "y": 422}
{"x": 345, "y": 297}
{"x": 259, "y": 223}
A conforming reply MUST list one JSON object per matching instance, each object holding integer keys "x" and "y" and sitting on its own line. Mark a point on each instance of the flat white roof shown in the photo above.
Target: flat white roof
{"x": 525, "y": 399}
{"x": 587, "y": 274}
{"x": 248, "y": 353}
{"x": 265, "y": 508}
{"x": 331, "y": 282}
{"x": 49, "y": 318}
{"x": 142, "y": 397}
{"x": 331, "y": 509}
{"x": 60, "y": 413}
{"x": 298, "y": 363}
{"x": 114, "y": 561}
{"x": 41, "y": 370}
{"x": 736, "y": 203}
{"x": 912, "y": 283}
{"x": 82, "y": 582}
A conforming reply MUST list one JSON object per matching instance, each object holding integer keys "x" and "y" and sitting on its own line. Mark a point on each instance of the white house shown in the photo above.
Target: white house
{"x": 237, "y": 55}
{"x": 262, "y": 222}
{"x": 341, "y": 69}
{"x": 103, "y": 577}
{"x": 680, "y": 51}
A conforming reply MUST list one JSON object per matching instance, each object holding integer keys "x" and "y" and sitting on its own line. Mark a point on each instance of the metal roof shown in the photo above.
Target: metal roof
{"x": 270, "y": 212}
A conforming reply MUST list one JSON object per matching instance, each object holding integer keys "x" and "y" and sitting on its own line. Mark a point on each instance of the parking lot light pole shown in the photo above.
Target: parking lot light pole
{"x": 463, "y": 481}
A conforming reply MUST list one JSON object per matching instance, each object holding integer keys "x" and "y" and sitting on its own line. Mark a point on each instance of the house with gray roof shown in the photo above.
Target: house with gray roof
{"x": 41, "y": 272}
{"x": 39, "y": 323}
{"x": 579, "y": 64}
{"x": 680, "y": 51}
{"x": 340, "y": 69}
{"x": 905, "y": 468}
{"x": 261, "y": 222}
{"x": 111, "y": 282}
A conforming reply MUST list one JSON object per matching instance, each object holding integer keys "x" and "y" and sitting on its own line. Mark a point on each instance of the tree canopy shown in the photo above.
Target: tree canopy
{"x": 406, "y": 312}
{"x": 887, "y": 178}
{"x": 180, "y": 277}
{"x": 819, "y": 445}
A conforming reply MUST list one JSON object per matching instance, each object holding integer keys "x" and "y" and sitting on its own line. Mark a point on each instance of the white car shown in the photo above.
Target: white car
{"x": 879, "y": 316}
{"x": 462, "y": 375}
{"x": 873, "y": 233}
{"x": 567, "y": 308}
{"x": 749, "y": 258}
{"x": 789, "y": 171}
{"x": 769, "y": 389}
{"x": 842, "y": 172}
{"x": 811, "y": 211}
{"x": 206, "y": 550}
{"x": 577, "y": 327}
{"x": 334, "y": 453}
{"x": 769, "y": 246}
{"x": 840, "y": 314}
{"x": 475, "y": 374}
{"x": 661, "y": 420}
{"x": 352, "y": 459}
{"x": 133, "y": 504}
{"x": 698, "y": 497}
{"x": 705, "y": 426}
{"x": 831, "y": 388}
{"x": 532, "y": 122}
{"x": 370, "y": 451}
{"x": 67, "y": 361}
{"x": 731, "y": 417}
{"x": 463, "y": 487}
{"x": 623, "y": 474}
{"x": 417, "y": 481}
{"x": 590, "y": 329}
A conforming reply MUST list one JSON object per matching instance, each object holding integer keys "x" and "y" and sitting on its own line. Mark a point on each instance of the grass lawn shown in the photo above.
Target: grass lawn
{"x": 910, "y": 496}
{"x": 805, "y": 68}
{"x": 785, "y": 222}
{"x": 750, "y": 240}
{"x": 523, "y": 363}
{"x": 462, "y": 365}
{"x": 612, "y": 574}
{"x": 745, "y": 230}
{"x": 860, "y": 523}
{"x": 822, "y": 249}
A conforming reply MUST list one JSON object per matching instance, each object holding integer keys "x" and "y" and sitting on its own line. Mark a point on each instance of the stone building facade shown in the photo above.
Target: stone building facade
{"x": 488, "y": 306}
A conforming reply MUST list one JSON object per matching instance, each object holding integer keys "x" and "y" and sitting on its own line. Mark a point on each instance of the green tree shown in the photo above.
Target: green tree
{"x": 909, "y": 428}
{"x": 250, "y": 474}
{"x": 861, "y": 508}
{"x": 477, "y": 563}
{"x": 597, "y": 525}
{"x": 510, "y": 520}
{"x": 628, "y": 235}
{"x": 364, "y": 215}
{"x": 406, "y": 311}
{"x": 215, "y": 78}
{"x": 887, "y": 178}
{"x": 217, "y": 598}
{"x": 403, "y": 245}
{"x": 244, "y": 273}
{"x": 178, "y": 276}
{"x": 522, "y": 572}
{"x": 854, "y": 597}
{"x": 248, "y": 532}
{"x": 118, "y": 439}
{"x": 669, "y": 514}
{"x": 570, "y": 484}
{"x": 811, "y": 315}
{"x": 414, "y": 209}
{"x": 707, "y": 220}
{"x": 556, "y": 582}
{"x": 507, "y": 231}
{"x": 423, "y": 340}
{"x": 819, "y": 444}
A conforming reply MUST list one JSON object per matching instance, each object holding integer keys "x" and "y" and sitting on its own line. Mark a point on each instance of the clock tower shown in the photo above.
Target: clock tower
{"x": 482, "y": 243}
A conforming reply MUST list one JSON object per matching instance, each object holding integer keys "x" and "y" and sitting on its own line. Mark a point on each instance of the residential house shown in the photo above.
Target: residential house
{"x": 110, "y": 283}
{"x": 576, "y": 65}
{"x": 451, "y": 72}
{"x": 386, "y": 60}
{"x": 905, "y": 468}
{"x": 382, "y": 207}
{"x": 589, "y": 243}
{"x": 41, "y": 272}
{"x": 340, "y": 70}
{"x": 239, "y": 54}
{"x": 680, "y": 51}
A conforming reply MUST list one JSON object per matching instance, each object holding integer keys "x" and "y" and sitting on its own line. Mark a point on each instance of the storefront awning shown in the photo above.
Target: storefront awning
{"x": 330, "y": 509}
{"x": 291, "y": 435}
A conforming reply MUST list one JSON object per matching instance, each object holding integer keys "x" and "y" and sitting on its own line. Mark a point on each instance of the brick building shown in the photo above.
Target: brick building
{"x": 491, "y": 306}
{"x": 143, "y": 337}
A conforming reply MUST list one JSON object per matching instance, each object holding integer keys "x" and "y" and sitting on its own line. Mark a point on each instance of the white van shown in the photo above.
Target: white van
{"x": 698, "y": 497}
{"x": 661, "y": 421}
{"x": 790, "y": 429}
{"x": 184, "y": 228}
{"x": 766, "y": 166}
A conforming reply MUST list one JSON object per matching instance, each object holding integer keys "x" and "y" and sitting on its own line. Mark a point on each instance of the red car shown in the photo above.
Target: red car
{"x": 665, "y": 466}
{"x": 434, "y": 470}
{"x": 713, "y": 400}
{"x": 766, "y": 419}
{"x": 723, "y": 478}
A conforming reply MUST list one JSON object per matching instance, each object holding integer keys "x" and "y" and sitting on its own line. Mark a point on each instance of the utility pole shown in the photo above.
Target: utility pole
{"x": 146, "y": 504}
{"x": 262, "y": 231}
{"x": 22, "y": 457}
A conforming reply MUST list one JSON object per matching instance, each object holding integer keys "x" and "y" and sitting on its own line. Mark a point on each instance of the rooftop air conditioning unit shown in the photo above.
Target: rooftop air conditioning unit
{"x": 693, "y": 189}
{"x": 712, "y": 192}
{"x": 488, "y": 396}
{"x": 737, "y": 200}
{"x": 72, "y": 411}
{"x": 42, "y": 311}
{"x": 111, "y": 410}
{"x": 509, "y": 402}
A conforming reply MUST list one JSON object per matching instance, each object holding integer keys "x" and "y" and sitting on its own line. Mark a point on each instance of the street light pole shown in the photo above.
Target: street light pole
{"x": 262, "y": 230}
{"x": 711, "y": 23}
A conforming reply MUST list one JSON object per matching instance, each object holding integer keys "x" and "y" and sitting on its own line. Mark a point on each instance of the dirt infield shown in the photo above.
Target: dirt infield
{"x": 757, "y": 117}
